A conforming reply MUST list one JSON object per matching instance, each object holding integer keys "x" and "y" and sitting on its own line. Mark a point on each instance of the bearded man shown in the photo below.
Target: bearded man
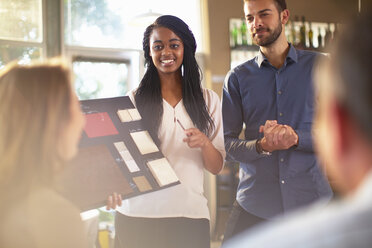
{"x": 273, "y": 96}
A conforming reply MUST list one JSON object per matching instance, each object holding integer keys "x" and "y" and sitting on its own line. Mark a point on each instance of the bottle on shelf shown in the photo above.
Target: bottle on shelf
{"x": 296, "y": 34}
{"x": 320, "y": 39}
{"x": 243, "y": 32}
{"x": 335, "y": 31}
{"x": 293, "y": 33}
{"x": 328, "y": 35}
{"x": 311, "y": 36}
{"x": 303, "y": 33}
{"x": 234, "y": 35}
{"x": 288, "y": 33}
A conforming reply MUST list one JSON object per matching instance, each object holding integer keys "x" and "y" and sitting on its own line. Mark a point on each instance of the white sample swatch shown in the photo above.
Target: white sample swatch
{"x": 162, "y": 171}
{"x": 134, "y": 114}
{"x": 144, "y": 142}
{"x": 132, "y": 165}
{"x": 128, "y": 115}
{"x": 127, "y": 157}
{"x": 124, "y": 115}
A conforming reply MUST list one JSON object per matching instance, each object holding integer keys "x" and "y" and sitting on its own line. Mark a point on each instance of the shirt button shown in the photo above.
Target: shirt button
{"x": 280, "y": 114}
{"x": 283, "y": 182}
{"x": 282, "y": 160}
{"x": 279, "y": 92}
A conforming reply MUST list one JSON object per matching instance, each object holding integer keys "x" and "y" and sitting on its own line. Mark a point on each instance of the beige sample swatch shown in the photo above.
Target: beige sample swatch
{"x": 142, "y": 183}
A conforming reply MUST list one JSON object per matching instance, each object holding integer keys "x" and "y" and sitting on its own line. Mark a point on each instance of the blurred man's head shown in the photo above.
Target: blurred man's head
{"x": 344, "y": 115}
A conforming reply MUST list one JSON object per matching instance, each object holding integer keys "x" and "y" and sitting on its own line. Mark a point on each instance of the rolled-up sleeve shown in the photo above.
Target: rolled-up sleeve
{"x": 232, "y": 109}
{"x": 214, "y": 107}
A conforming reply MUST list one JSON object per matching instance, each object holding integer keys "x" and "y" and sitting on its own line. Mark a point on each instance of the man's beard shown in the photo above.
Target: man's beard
{"x": 273, "y": 36}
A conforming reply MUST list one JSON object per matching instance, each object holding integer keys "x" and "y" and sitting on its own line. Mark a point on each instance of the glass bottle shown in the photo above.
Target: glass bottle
{"x": 320, "y": 39}
{"x": 243, "y": 32}
{"x": 328, "y": 35}
{"x": 295, "y": 33}
{"x": 303, "y": 33}
{"x": 311, "y": 35}
{"x": 288, "y": 31}
{"x": 335, "y": 32}
{"x": 234, "y": 35}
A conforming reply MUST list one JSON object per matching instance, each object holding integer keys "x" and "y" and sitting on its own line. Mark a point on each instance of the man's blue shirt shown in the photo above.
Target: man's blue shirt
{"x": 254, "y": 92}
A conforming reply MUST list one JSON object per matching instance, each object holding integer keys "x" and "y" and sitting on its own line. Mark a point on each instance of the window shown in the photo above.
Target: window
{"x": 21, "y": 31}
{"x": 21, "y": 20}
{"x": 100, "y": 79}
{"x": 121, "y": 23}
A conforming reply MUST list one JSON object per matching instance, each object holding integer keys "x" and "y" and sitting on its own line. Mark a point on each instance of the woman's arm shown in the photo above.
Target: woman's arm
{"x": 212, "y": 158}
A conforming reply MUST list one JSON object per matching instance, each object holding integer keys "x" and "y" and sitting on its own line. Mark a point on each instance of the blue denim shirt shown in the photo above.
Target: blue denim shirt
{"x": 254, "y": 92}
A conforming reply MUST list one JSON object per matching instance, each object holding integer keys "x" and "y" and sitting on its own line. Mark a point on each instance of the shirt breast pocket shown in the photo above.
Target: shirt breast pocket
{"x": 306, "y": 117}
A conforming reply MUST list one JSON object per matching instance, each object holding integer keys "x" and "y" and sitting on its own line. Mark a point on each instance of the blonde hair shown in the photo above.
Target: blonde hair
{"x": 34, "y": 105}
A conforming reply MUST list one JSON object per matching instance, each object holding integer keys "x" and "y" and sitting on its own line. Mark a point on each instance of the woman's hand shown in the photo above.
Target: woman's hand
{"x": 212, "y": 158}
{"x": 195, "y": 138}
{"x": 113, "y": 200}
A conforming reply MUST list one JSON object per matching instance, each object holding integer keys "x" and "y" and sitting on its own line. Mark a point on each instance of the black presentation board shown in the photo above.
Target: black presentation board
{"x": 99, "y": 170}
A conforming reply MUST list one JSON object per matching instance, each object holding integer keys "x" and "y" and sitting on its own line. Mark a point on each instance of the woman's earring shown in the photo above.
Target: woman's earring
{"x": 182, "y": 70}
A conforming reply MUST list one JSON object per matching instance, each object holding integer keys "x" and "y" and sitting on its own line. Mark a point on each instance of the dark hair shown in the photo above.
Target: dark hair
{"x": 148, "y": 96}
{"x": 352, "y": 62}
{"x": 280, "y": 4}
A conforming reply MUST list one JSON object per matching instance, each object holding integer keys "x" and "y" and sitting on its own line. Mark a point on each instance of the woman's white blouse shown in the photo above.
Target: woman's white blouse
{"x": 186, "y": 199}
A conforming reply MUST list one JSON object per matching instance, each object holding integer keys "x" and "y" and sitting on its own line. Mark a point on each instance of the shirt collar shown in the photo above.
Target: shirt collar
{"x": 292, "y": 55}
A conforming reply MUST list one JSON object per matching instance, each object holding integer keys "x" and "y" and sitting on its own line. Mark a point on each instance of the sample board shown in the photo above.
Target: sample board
{"x": 116, "y": 154}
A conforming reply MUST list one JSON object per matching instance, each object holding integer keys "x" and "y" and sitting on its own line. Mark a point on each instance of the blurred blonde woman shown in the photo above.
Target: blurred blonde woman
{"x": 40, "y": 128}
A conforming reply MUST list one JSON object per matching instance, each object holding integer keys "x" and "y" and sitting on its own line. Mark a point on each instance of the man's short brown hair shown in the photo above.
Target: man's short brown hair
{"x": 280, "y": 4}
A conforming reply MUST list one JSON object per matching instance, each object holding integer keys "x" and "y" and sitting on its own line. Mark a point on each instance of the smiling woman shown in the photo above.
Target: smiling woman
{"x": 166, "y": 50}
{"x": 169, "y": 94}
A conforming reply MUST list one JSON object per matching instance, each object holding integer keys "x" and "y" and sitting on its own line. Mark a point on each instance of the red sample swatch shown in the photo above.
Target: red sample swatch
{"x": 99, "y": 124}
